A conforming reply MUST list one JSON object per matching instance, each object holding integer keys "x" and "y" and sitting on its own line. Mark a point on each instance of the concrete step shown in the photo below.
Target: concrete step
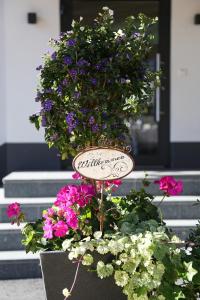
{"x": 24, "y": 289}
{"x": 10, "y": 237}
{"x": 47, "y": 184}
{"x": 179, "y": 207}
{"x": 174, "y": 207}
{"x": 18, "y": 265}
{"x": 181, "y": 228}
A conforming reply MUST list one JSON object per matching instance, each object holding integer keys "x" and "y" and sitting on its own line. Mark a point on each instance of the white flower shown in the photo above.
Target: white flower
{"x": 87, "y": 260}
{"x": 66, "y": 293}
{"x": 119, "y": 33}
{"x": 103, "y": 270}
{"x": 110, "y": 11}
{"x": 121, "y": 278}
{"x": 188, "y": 250}
{"x": 97, "y": 235}
{"x": 81, "y": 18}
{"x": 73, "y": 23}
{"x": 82, "y": 28}
{"x": 66, "y": 244}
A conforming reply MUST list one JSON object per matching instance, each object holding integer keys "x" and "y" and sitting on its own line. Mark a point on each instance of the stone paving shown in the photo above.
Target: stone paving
{"x": 25, "y": 289}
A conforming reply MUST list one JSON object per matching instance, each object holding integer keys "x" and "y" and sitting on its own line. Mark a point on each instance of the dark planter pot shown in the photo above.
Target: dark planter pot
{"x": 58, "y": 273}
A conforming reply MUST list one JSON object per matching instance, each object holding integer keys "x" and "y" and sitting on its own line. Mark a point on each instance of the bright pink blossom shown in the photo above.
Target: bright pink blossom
{"x": 77, "y": 176}
{"x": 13, "y": 210}
{"x": 170, "y": 186}
{"x": 71, "y": 218}
{"x": 48, "y": 229}
{"x": 75, "y": 194}
{"x": 60, "y": 229}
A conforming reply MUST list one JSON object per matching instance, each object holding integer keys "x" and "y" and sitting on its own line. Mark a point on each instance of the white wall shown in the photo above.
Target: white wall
{"x": 25, "y": 44}
{"x": 2, "y": 77}
{"x": 185, "y": 72}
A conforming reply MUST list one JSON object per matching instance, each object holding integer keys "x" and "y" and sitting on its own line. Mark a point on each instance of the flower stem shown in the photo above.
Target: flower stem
{"x": 75, "y": 277}
{"x": 161, "y": 201}
{"x": 101, "y": 219}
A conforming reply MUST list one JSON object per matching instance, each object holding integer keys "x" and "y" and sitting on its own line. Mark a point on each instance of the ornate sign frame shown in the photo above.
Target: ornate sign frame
{"x": 118, "y": 169}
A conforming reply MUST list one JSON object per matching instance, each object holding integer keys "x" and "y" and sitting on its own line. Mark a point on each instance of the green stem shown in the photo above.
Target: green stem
{"x": 101, "y": 218}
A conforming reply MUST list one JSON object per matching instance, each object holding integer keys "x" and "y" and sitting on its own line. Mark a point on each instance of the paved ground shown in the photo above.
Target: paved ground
{"x": 26, "y": 289}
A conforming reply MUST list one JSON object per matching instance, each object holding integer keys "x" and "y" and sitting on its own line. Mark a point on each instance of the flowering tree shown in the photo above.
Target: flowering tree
{"x": 95, "y": 79}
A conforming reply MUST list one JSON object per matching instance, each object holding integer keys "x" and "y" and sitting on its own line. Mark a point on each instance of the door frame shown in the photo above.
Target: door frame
{"x": 162, "y": 160}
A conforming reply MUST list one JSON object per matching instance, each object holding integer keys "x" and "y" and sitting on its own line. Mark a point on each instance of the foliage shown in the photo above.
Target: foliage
{"x": 143, "y": 256}
{"x": 96, "y": 78}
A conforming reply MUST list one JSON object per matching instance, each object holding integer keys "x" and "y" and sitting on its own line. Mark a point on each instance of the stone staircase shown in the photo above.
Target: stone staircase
{"x": 37, "y": 190}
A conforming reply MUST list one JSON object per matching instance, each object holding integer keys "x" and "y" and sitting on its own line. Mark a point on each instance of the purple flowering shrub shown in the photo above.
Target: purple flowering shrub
{"x": 96, "y": 77}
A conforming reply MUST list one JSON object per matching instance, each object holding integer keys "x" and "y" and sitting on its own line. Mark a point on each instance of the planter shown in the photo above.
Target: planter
{"x": 58, "y": 273}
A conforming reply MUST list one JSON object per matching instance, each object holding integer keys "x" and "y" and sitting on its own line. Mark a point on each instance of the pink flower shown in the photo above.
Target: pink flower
{"x": 170, "y": 186}
{"x": 13, "y": 210}
{"x": 71, "y": 218}
{"x": 115, "y": 182}
{"x": 77, "y": 176}
{"x": 86, "y": 192}
{"x": 60, "y": 229}
{"x": 48, "y": 229}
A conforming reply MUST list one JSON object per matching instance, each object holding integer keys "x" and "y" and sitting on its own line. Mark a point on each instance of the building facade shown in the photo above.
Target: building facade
{"x": 167, "y": 137}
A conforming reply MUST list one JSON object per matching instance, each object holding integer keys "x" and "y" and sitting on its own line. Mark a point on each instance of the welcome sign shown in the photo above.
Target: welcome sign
{"x": 103, "y": 163}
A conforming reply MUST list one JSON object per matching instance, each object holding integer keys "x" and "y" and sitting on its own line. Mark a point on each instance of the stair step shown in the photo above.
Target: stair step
{"x": 181, "y": 228}
{"x": 18, "y": 265}
{"x": 179, "y": 207}
{"x": 47, "y": 184}
{"x": 10, "y": 237}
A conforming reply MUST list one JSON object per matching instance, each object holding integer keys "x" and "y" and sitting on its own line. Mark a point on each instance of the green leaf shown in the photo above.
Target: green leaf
{"x": 190, "y": 270}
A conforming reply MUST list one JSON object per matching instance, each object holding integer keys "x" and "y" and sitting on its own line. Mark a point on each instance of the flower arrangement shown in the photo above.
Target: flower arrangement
{"x": 96, "y": 78}
{"x": 144, "y": 259}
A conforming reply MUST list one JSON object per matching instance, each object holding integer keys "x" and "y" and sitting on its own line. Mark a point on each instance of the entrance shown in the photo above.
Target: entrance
{"x": 150, "y": 133}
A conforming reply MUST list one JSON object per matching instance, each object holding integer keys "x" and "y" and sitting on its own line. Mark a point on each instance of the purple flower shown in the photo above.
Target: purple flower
{"x": 84, "y": 111}
{"x": 53, "y": 55}
{"x": 71, "y": 121}
{"x": 73, "y": 73}
{"x": 48, "y": 91}
{"x": 67, "y": 60}
{"x": 93, "y": 81}
{"x": 44, "y": 121}
{"x": 82, "y": 72}
{"x": 104, "y": 126}
{"x": 95, "y": 128}
{"x": 98, "y": 67}
{"x": 59, "y": 90}
{"x": 71, "y": 42}
{"x": 122, "y": 80}
{"x": 82, "y": 62}
{"x": 91, "y": 120}
{"x": 47, "y": 105}
{"x": 70, "y": 117}
{"x": 104, "y": 115}
{"x": 77, "y": 95}
{"x": 39, "y": 68}
{"x": 65, "y": 82}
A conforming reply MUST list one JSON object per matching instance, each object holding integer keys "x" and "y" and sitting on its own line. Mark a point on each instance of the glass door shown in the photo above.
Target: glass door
{"x": 149, "y": 135}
